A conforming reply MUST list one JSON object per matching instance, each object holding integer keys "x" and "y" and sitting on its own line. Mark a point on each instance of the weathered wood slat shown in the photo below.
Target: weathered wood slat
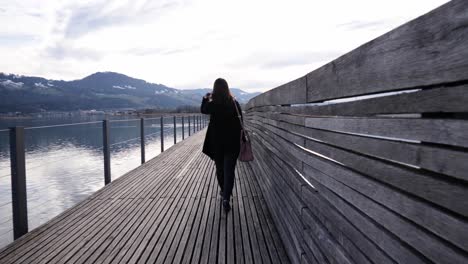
{"x": 442, "y": 224}
{"x": 380, "y": 175}
{"x": 446, "y": 161}
{"x": 156, "y": 249}
{"x": 124, "y": 253}
{"x": 427, "y": 51}
{"x": 206, "y": 223}
{"x": 448, "y": 132}
{"x": 95, "y": 239}
{"x": 358, "y": 246}
{"x": 358, "y": 237}
{"x": 157, "y": 214}
{"x": 195, "y": 243}
{"x": 67, "y": 217}
{"x": 449, "y": 194}
{"x": 185, "y": 227}
{"x": 247, "y": 248}
{"x": 385, "y": 240}
{"x": 289, "y": 93}
{"x": 212, "y": 254}
{"x": 276, "y": 252}
{"x": 286, "y": 226}
{"x": 317, "y": 254}
{"x": 434, "y": 100}
{"x": 275, "y": 192}
{"x": 190, "y": 240}
{"x": 440, "y": 131}
{"x": 388, "y": 243}
{"x": 438, "y": 219}
{"x": 255, "y": 219}
{"x": 240, "y": 253}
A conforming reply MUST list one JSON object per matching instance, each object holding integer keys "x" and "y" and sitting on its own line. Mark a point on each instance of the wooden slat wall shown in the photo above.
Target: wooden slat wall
{"x": 380, "y": 178}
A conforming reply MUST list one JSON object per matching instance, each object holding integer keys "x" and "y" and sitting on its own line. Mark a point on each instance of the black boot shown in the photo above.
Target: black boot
{"x": 226, "y": 206}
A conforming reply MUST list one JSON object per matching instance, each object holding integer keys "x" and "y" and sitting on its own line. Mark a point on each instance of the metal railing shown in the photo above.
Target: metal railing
{"x": 18, "y": 161}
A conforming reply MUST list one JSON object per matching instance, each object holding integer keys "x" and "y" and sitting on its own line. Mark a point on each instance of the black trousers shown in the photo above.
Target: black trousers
{"x": 225, "y": 166}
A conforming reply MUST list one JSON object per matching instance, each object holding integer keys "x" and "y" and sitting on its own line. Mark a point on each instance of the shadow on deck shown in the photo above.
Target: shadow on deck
{"x": 165, "y": 211}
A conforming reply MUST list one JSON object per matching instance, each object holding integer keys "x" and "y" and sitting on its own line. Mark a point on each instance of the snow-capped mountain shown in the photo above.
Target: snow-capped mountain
{"x": 101, "y": 90}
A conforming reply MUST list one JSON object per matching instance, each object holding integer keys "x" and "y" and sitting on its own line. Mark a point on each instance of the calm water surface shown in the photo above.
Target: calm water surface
{"x": 64, "y": 165}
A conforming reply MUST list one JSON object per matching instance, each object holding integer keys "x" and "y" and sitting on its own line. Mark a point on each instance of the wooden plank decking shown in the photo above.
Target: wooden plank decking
{"x": 165, "y": 211}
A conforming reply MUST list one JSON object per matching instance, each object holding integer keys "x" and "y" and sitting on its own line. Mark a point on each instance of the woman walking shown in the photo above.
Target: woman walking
{"x": 222, "y": 141}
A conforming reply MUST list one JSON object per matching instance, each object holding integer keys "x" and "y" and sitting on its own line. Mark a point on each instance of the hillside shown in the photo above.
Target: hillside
{"x": 100, "y": 91}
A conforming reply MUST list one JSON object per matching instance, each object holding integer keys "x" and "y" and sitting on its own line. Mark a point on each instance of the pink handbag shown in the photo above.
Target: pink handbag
{"x": 246, "y": 153}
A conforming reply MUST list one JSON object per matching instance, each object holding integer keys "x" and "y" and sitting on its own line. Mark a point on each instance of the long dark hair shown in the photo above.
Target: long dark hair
{"x": 221, "y": 93}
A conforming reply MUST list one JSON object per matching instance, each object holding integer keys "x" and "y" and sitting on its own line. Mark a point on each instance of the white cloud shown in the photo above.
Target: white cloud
{"x": 255, "y": 45}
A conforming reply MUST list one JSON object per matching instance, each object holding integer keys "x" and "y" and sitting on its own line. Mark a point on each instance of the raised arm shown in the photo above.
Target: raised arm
{"x": 206, "y": 106}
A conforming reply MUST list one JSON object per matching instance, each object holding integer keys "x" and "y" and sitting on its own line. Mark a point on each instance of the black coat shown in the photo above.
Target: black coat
{"x": 223, "y": 134}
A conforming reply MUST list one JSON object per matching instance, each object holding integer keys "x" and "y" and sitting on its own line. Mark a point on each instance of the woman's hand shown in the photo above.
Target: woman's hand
{"x": 207, "y": 96}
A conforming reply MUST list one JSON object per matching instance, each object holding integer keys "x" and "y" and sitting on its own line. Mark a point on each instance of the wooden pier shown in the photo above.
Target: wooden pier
{"x": 166, "y": 211}
{"x": 363, "y": 160}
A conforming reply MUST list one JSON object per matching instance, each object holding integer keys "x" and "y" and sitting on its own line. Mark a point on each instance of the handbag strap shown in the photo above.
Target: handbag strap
{"x": 241, "y": 122}
{"x": 238, "y": 114}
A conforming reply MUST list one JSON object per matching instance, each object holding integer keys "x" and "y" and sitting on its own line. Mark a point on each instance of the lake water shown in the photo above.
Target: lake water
{"x": 64, "y": 165}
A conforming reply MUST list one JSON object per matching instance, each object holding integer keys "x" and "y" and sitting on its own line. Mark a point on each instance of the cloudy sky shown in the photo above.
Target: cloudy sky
{"x": 255, "y": 44}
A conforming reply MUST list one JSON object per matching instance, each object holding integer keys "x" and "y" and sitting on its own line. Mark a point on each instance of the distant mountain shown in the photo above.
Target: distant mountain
{"x": 241, "y": 96}
{"x": 100, "y": 91}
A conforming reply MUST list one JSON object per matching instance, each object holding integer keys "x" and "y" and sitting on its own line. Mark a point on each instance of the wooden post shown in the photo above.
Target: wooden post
{"x": 194, "y": 125}
{"x": 189, "y": 126}
{"x": 183, "y": 129}
{"x": 106, "y": 150}
{"x": 18, "y": 182}
{"x": 175, "y": 130}
{"x": 142, "y": 139}
{"x": 162, "y": 134}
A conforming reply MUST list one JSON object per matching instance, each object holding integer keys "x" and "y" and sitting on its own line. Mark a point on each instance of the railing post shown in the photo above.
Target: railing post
{"x": 162, "y": 134}
{"x": 183, "y": 129}
{"x": 142, "y": 139}
{"x": 106, "y": 150}
{"x": 194, "y": 125}
{"x": 175, "y": 130}
{"x": 18, "y": 182}
{"x": 189, "y": 126}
